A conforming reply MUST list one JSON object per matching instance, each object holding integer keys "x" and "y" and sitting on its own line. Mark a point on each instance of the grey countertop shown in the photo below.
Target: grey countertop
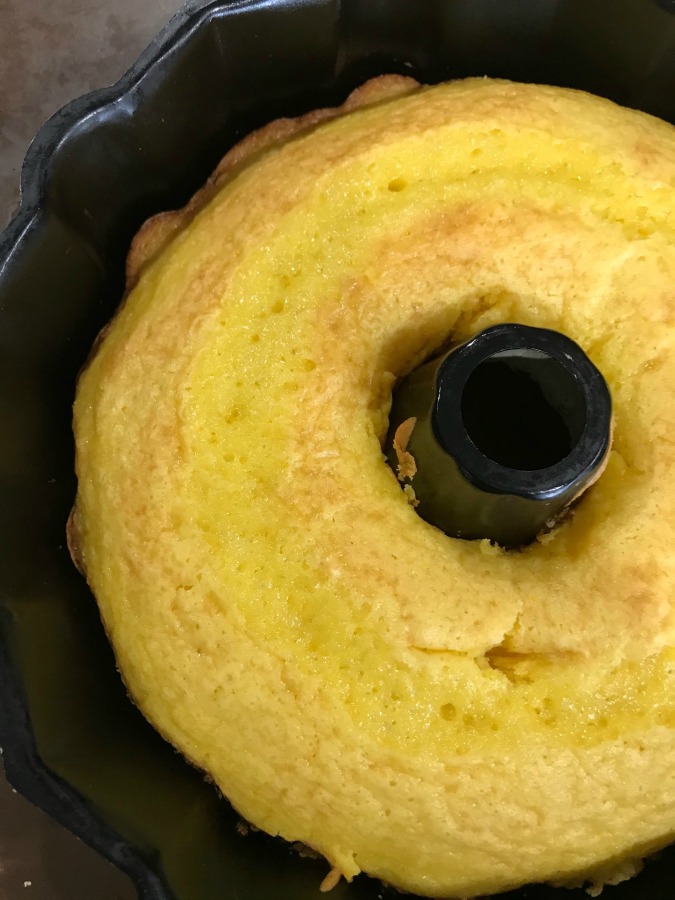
{"x": 50, "y": 52}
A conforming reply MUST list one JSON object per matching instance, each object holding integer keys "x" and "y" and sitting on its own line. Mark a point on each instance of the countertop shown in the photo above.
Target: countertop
{"x": 51, "y": 52}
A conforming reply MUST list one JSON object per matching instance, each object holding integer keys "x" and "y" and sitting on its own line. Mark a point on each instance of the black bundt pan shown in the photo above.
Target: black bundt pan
{"x": 73, "y": 743}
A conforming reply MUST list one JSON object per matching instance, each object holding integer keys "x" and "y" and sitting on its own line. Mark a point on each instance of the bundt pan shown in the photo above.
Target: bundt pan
{"x": 73, "y": 743}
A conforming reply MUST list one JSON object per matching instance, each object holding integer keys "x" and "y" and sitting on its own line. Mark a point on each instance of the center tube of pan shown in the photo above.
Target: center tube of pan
{"x": 499, "y": 436}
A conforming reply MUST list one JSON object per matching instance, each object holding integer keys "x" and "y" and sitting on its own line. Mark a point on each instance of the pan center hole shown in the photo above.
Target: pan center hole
{"x": 523, "y": 409}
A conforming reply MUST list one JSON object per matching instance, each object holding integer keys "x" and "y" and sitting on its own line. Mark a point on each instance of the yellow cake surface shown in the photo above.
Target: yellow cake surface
{"x": 448, "y": 716}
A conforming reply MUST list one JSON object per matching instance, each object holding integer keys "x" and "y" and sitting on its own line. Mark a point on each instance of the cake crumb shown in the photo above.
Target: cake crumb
{"x": 27, "y": 883}
{"x": 490, "y": 548}
{"x": 409, "y": 491}
{"x": 613, "y": 875}
{"x": 609, "y": 875}
{"x": 305, "y": 851}
{"x": 330, "y": 881}
{"x": 407, "y": 467}
{"x": 243, "y": 828}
